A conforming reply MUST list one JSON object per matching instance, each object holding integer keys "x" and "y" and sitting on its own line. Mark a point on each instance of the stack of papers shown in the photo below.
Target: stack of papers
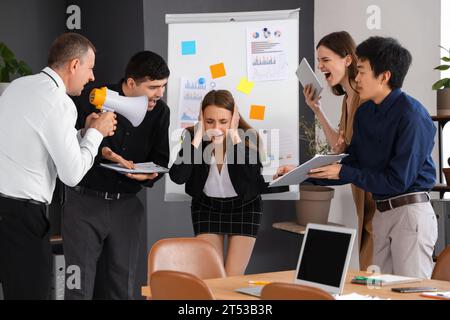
{"x": 356, "y": 296}
{"x": 384, "y": 280}
{"x": 144, "y": 167}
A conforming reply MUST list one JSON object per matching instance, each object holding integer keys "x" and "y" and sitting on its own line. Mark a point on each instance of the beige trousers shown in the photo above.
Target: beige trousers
{"x": 404, "y": 240}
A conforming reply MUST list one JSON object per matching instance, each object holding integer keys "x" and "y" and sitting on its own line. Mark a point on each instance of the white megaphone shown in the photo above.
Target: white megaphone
{"x": 132, "y": 108}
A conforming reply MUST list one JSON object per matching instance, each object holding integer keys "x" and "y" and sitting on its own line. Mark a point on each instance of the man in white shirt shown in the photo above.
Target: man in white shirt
{"x": 38, "y": 142}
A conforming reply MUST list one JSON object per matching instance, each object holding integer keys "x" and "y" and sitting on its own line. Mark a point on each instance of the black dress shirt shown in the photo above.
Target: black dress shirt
{"x": 147, "y": 142}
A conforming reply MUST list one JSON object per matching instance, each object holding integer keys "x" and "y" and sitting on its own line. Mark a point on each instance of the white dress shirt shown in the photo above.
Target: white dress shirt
{"x": 218, "y": 184}
{"x": 38, "y": 139}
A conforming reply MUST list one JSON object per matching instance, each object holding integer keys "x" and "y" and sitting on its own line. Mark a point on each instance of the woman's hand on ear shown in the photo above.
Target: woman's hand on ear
{"x": 234, "y": 127}
{"x": 199, "y": 130}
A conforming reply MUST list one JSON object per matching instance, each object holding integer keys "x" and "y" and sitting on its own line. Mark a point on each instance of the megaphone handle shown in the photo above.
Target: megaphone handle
{"x": 106, "y": 109}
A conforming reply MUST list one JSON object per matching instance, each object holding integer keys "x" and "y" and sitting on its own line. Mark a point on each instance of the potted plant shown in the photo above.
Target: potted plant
{"x": 10, "y": 67}
{"x": 443, "y": 88}
{"x": 315, "y": 201}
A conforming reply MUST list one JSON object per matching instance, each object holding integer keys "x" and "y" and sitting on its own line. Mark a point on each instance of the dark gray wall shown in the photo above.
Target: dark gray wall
{"x": 28, "y": 27}
{"x": 274, "y": 249}
{"x": 116, "y": 29}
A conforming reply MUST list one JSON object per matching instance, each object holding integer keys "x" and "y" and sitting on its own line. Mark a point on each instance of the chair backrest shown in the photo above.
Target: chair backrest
{"x": 175, "y": 285}
{"x": 442, "y": 268}
{"x": 191, "y": 255}
{"x": 291, "y": 291}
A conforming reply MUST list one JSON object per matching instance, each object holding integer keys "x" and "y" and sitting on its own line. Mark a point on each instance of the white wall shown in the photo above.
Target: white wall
{"x": 445, "y": 42}
{"x": 415, "y": 23}
{"x": 445, "y": 31}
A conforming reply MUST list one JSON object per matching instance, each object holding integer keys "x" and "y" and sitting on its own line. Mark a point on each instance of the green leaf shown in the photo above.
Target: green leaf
{"x": 14, "y": 64}
{"x": 444, "y": 49}
{"x": 9, "y": 66}
{"x": 446, "y": 59}
{"x": 23, "y": 69}
{"x": 441, "y": 83}
{"x": 4, "y": 75}
{"x": 7, "y": 54}
{"x": 442, "y": 67}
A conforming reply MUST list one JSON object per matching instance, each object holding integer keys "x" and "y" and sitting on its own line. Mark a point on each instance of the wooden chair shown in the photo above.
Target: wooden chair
{"x": 176, "y": 285}
{"x": 291, "y": 291}
{"x": 441, "y": 270}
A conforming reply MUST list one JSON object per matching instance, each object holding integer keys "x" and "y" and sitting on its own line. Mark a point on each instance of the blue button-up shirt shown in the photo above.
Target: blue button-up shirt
{"x": 390, "y": 151}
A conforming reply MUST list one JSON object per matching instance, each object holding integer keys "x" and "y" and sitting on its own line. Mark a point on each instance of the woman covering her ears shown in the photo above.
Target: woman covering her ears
{"x": 222, "y": 173}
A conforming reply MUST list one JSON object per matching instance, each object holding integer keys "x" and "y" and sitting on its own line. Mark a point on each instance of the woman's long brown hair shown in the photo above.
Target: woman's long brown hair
{"x": 342, "y": 44}
{"x": 224, "y": 99}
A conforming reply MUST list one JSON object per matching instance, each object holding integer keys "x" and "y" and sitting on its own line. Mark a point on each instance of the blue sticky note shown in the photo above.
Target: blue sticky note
{"x": 188, "y": 48}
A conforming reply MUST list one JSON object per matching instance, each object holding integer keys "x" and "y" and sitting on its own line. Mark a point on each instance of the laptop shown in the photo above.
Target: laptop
{"x": 323, "y": 261}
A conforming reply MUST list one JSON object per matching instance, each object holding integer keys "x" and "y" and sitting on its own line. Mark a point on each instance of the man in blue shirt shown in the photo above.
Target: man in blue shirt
{"x": 390, "y": 156}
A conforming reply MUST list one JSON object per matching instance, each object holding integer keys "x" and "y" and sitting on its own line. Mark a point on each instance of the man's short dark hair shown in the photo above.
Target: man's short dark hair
{"x": 146, "y": 65}
{"x": 386, "y": 54}
{"x": 67, "y": 47}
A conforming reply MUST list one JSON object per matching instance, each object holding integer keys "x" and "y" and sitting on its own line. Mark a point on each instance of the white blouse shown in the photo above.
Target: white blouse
{"x": 218, "y": 184}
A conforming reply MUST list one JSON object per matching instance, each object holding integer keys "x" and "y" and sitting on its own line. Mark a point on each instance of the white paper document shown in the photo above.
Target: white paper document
{"x": 356, "y": 296}
{"x": 144, "y": 167}
{"x": 300, "y": 174}
{"x": 279, "y": 148}
{"x": 192, "y": 92}
{"x": 389, "y": 279}
{"x": 266, "y": 54}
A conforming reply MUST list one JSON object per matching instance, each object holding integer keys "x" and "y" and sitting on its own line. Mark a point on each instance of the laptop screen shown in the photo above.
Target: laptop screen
{"x": 324, "y": 257}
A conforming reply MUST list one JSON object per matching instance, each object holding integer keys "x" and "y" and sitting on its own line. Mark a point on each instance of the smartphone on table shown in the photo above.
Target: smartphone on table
{"x": 414, "y": 289}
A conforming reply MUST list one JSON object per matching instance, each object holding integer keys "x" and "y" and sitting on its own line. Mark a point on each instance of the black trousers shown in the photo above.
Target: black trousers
{"x": 25, "y": 251}
{"x": 102, "y": 237}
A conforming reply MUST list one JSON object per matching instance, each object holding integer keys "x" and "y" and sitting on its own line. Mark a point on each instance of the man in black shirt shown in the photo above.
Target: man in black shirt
{"x": 102, "y": 225}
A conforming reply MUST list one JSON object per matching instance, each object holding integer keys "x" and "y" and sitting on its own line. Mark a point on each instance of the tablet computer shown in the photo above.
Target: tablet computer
{"x": 306, "y": 75}
{"x": 300, "y": 173}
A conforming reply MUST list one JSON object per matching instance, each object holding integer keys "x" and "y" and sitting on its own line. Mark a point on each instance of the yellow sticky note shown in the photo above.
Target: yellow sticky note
{"x": 257, "y": 112}
{"x": 218, "y": 70}
{"x": 245, "y": 86}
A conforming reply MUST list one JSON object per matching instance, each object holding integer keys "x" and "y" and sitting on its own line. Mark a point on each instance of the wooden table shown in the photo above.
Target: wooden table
{"x": 223, "y": 288}
{"x": 292, "y": 226}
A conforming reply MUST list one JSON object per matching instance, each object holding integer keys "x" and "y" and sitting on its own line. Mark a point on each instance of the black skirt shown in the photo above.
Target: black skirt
{"x": 227, "y": 216}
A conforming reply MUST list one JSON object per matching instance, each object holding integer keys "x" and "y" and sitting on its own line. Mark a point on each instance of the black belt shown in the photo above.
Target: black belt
{"x": 31, "y": 201}
{"x": 103, "y": 195}
{"x": 385, "y": 205}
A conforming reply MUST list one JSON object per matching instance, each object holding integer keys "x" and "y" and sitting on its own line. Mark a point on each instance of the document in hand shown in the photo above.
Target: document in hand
{"x": 144, "y": 167}
{"x": 300, "y": 174}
